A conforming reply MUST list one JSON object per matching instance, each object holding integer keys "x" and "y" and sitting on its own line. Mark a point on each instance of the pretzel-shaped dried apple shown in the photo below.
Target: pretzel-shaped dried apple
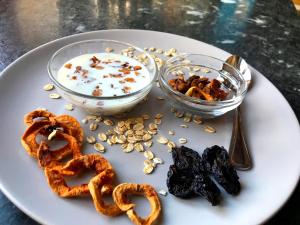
{"x": 102, "y": 185}
{"x": 56, "y": 180}
{"x": 120, "y": 196}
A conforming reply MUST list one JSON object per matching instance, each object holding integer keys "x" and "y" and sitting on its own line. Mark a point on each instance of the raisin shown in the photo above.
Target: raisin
{"x": 216, "y": 162}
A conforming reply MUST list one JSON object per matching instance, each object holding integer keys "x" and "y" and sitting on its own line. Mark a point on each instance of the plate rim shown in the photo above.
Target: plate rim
{"x": 35, "y": 216}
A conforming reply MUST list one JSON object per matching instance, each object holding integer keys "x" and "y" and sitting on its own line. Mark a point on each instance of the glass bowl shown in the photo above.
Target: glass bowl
{"x": 231, "y": 80}
{"x": 101, "y": 105}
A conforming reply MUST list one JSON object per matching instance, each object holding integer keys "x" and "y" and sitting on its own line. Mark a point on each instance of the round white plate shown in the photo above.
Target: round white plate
{"x": 271, "y": 127}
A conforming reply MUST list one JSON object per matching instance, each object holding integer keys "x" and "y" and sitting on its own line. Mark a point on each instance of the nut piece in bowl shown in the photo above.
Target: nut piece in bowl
{"x": 102, "y": 76}
{"x": 202, "y": 85}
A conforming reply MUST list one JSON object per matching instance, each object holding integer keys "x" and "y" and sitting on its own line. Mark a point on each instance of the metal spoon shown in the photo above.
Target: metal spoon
{"x": 239, "y": 154}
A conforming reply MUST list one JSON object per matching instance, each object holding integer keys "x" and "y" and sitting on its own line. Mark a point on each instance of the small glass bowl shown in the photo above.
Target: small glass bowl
{"x": 99, "y": 105}
{"x": 210, "y": 67}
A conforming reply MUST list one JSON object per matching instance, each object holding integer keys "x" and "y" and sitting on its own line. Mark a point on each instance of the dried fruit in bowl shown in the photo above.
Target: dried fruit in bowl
{"x": 199, "y": 87}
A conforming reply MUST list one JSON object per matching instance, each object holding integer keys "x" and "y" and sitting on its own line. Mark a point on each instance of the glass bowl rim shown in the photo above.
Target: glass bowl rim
{"x": 197, "y": 100}
{"x": 57, "y": 83}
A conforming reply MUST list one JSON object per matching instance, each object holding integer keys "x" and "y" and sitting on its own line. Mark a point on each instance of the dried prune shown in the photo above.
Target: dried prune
{"x": 205, "y": 187}
{"x": 187, "y": 177}
{"x": 179, "y": 182}
{"x": 216, "y": 162}
{"x": 186, "y": 158}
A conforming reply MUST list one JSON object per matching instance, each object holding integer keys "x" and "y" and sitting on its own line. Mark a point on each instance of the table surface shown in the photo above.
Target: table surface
{"x": 265, "y": 33}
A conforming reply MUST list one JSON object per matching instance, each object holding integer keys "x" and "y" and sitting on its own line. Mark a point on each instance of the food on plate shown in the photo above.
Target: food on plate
{"x": 132, "y": 134}
{"x": 121, "y": 197}
{"x": 104, "y": 74}
{"x": 73, "y": 126}
{"x": 203, "y": 186}
{"x": 99, "y": 186}
{"x": 187, "y": 177}
{"x": 56, "y": 176}
{"x": 68, "y": 128}
{"x": 199, "y": 87}
{"x": 190, "y": 174}
{"x": 47, "y": 158}
{"x": 179, "y": 182}
{"x": 216, "y": 161}
{"x": 69, "y": 123}
{"x": 30, "y": 144}
{"x": 38, "y": 113}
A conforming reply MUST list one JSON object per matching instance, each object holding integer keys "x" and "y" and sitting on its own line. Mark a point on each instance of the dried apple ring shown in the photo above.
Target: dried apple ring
{"x": 31, "y": 146}
{"x": 102, "y": 185}
{"x": 120, "y": 196}
{"x": 56, "y": 180}
{"x": 38, "y": 113}
{"x": 65, "y": 121}
{"x": 73, "y": 126}
{"x": 45, "y": 156}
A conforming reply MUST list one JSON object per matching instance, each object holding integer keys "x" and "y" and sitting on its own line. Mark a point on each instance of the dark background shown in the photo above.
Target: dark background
{"x": 265, "y": 33}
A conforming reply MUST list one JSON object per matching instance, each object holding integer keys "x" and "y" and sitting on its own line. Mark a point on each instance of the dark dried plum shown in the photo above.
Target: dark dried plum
{"x": 216, "y": 161}
{"x": 205, "y": 187}
{"x": 186, "y": 158}
{"x": 179, "y": 183}
{"x": 187, "y": 176}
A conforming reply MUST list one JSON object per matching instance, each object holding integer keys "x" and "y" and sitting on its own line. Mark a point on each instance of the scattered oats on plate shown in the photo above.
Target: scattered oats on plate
{"x": 99, "y": 147}
{"x": 91, "y": 139}
{"x": 54, "y": 96}
{"x": 209, "y": 129}
{"x": 48, "y": 87}
{"x": 148, "y": 169}
{"x": 69, "y": 107}
{"x": 182, "y": 140}
{"x": 162, "y": 140}
{"x": 162, "y": 192}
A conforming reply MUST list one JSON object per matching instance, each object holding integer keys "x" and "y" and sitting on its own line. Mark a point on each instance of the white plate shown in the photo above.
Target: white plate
{"x": 272, "y": 133}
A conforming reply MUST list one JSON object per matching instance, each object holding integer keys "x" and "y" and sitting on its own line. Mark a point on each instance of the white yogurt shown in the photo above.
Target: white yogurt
{"x": 107, "y": 74}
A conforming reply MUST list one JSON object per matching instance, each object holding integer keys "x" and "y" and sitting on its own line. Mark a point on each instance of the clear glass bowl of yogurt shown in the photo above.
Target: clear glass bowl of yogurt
{"x": 197, "y": 97}
{"x": 104, "y": 77}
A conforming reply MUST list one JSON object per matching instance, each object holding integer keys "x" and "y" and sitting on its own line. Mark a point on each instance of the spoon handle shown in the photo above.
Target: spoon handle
{"x": 239, "y": 154}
